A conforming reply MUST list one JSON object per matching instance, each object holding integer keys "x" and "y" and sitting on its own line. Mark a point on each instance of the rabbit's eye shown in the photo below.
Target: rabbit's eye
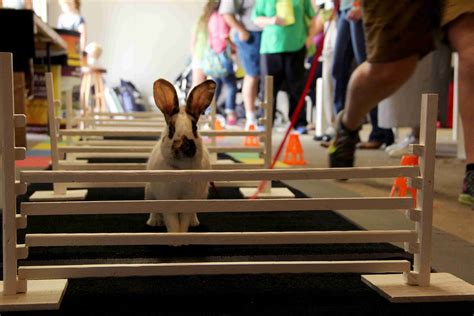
{"x": 171, "y": 130}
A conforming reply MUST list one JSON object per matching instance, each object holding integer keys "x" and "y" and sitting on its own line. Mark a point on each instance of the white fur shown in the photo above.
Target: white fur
{"x": 162, "y": 158}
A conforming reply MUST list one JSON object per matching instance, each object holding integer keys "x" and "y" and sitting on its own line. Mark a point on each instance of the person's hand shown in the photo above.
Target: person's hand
{"x": 244, "y": 36}
{"x": 355, "y": 14}
{"x": 276, "y": 20}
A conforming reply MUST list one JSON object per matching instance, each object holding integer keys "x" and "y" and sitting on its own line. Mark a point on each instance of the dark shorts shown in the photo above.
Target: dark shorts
{"x": 398, "y": 29}
{"x": 249, "y": 54}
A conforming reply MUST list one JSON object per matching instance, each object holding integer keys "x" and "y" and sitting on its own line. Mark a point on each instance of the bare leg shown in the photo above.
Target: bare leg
{"x": 249, "y": 92}
{"x": 371, "y": 83}
{"x": 198, "y": 76}
{"x": 460, "y": 33}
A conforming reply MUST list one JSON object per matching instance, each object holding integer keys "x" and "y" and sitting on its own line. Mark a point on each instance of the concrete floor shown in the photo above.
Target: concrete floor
{"x": 453, "y": 235}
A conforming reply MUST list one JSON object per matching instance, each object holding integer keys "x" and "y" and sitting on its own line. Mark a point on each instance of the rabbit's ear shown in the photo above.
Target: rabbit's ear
{"x": 200, "y": 98}
{"x": 166, "y": 98}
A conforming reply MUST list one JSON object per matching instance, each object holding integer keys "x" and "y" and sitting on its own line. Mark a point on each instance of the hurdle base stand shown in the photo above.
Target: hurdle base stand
{"x": 275, "y": 193}
{"x": 41, "y": 295}
{"x": 70, "y": 195}
{"x": 444, "y": 287}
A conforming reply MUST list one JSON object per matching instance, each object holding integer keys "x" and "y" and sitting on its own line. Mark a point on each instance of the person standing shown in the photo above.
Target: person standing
{"x": 219, "y": 41}
{"x": 246, "y": 37}
{"x": 283, "y": 46}
{"x": 72, "y": 20}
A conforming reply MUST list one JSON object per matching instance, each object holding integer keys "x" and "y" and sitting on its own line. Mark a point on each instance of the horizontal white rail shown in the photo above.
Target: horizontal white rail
{"x": 209, "y": 268}
{"x": 66, "y": 165}
{"x": 218, "y": 175}
{"x": 110, "y": 142}
{"x": 157, "y": 119}
{"x": 129, "y": 114}
{"x": 213, "y": 206}
{"x": 241, "y": 238}
{"x": 147, "y": 149}
{"x": 151, "y": 133}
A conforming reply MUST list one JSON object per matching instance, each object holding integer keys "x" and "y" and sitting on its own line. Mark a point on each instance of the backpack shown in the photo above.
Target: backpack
{"x": 131, "y": 99}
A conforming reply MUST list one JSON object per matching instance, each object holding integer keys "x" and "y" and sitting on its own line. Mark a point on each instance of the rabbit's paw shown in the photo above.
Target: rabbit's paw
{"x": 155, "y": 220}
{"x": 194, "y": 221}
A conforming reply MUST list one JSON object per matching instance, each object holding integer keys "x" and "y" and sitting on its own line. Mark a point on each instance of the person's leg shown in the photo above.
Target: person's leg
{"x": 398, "y": 33}
{"x": 293, "y": 64}
{"x": 378, "y": 136}
{"x": 230, "y": 83}
{"x": 250, "y": 58}
{"x": 198, "y": 76}
{"x": 460, "y": 34}
{"x": 231, "y": 90}
{"x": 249, "y": 93}
{"x": 342, "y": 62}
{"x": 371, "y": 83}
{"x": 271, "y": 65}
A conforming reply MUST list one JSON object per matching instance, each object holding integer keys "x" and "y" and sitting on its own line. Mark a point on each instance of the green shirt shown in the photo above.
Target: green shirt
{"x": 283, "y": 39}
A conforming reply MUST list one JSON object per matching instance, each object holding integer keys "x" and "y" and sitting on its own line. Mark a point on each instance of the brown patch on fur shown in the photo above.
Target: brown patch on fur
{"x": 171, "y": 126}
{"x": 185, "y": 146}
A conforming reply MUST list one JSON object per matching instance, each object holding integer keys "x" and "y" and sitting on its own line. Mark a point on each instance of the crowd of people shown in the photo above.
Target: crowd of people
{"x": 376, "y": 50}
{"x": 269, "y": 37}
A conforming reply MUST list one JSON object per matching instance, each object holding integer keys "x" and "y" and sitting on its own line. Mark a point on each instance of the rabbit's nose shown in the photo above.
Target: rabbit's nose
{"x": 188, "y": 147}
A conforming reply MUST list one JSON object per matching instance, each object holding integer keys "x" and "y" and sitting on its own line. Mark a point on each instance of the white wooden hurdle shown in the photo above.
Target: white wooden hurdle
{"x": 42, "y": 286}
{"x": 61, "y": 155}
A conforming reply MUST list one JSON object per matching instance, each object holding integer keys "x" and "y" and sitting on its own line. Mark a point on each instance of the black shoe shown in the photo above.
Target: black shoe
{"x": 342, "y": 148}
{"x": 467, "y": 195}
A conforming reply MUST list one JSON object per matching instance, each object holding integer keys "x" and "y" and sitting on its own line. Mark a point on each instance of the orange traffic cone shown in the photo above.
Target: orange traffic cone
{"x": 218, "y": 127}
{"x": 294, "y": 152}
{"x": 251, "y": 141}
{"x": 400, "y": 183}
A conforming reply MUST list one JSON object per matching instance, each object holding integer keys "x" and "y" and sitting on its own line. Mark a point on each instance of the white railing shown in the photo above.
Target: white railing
{"x": 417, "y": 241}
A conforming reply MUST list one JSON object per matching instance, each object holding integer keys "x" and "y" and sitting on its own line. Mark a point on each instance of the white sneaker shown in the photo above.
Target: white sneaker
{"x": 250, "y": 122}
{"x": 410, "y": 139}
{"x": 401, "y": 148}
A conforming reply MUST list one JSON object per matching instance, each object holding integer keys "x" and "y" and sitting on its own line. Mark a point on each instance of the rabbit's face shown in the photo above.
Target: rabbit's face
{"x": 182, "y": 135}
{"x": 181, "y": 138}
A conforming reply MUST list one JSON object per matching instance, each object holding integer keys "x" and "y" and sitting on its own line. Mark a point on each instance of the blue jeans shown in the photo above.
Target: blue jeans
{"x": 249, "y": 53}
{"x": 230, "y": 84}
{"x": 350, "y": 45}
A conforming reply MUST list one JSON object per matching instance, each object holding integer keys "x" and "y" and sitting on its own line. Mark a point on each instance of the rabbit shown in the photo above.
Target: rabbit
{"x": 180, "y": 147}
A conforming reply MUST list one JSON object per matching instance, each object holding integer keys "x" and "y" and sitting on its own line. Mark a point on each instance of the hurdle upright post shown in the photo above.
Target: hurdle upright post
{"x": 213, "y": 156}
{"x": 426, "y": 151}
{"x": 268, "y": 110}
{"x": 69, "y": 114}
{"x": 59, "y": 189}
{"x": 11, "y": 285}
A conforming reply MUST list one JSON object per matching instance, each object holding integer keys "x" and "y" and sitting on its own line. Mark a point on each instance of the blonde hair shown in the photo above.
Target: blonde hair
{"x": 210, "y": 7}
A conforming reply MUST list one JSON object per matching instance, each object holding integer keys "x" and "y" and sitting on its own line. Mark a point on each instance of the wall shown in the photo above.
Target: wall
{"x": 142, "y": 39}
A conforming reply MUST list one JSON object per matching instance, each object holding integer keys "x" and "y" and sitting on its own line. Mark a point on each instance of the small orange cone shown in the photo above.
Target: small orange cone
{"x": 400, "y": 183}
{"x": 218, "y": 127}
{"x": 251, "y": 141}
{"x": 294, "y": 152}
